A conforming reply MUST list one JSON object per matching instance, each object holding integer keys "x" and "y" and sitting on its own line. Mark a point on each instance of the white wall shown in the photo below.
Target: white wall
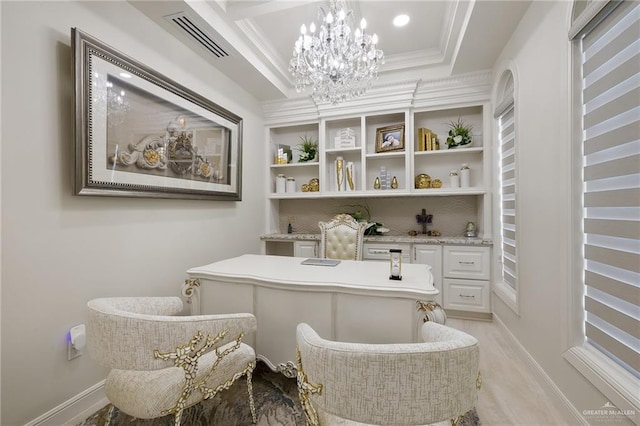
{"x": 540, "y": 51}
{"x": 60, "y": 250}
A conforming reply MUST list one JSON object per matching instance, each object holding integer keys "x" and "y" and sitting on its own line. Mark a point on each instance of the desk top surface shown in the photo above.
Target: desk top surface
{"x": 348, "y": 276}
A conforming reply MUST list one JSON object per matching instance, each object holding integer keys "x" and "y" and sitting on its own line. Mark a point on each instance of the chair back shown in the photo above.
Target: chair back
{"x": 123, "y": 332}
{"x": 162, "y": 363}
{"x": 390, "y": 384}
{"x": 342, "y": 238}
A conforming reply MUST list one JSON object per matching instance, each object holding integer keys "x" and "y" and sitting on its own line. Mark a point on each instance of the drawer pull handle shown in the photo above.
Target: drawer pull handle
{"x": 464, "y": 296}
{"x": 380, "y": 251}
{"x": 466, "y": 263}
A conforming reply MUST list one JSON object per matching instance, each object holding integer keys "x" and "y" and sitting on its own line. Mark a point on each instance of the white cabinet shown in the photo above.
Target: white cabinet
{"x": 404, "y": 164}
{"x": 466, "y": 272}
{"x": 430, "y": 254}
{"x": 305, "y": 249}
{"x": 461, "y": 273}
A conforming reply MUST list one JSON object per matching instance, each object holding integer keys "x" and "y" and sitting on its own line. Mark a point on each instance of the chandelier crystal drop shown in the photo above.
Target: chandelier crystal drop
{"x": 339, "y": 63}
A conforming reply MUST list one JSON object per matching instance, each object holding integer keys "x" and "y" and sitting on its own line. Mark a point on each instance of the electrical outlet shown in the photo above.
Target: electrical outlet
{"x": 72, "y": 352}
{"x": 76, "y": 341}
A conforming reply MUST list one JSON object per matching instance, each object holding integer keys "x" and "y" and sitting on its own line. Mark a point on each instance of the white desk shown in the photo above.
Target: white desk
{"x": 351, "y": 302}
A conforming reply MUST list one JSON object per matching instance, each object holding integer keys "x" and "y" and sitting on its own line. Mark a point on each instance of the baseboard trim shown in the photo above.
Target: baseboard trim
{"x": 544, "y": 380}
{"x": 74, "y": 410}
{"x": 478, "y": 316}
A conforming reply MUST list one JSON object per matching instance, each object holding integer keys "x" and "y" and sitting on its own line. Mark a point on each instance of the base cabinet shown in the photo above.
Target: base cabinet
{"x": 466, "y": 272}
{"x": 461, "y": 273}
{"x": 305, "y": 249}
{"x": 431, "y": 255}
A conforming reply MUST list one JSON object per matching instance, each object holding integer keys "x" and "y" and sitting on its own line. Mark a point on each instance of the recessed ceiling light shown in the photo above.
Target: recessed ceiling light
{"x": 401, "y": 20}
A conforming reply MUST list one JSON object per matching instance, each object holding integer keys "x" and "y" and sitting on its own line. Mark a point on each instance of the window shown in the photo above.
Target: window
{"x": 607, "y": 158}
{"x": 507, "y": 287}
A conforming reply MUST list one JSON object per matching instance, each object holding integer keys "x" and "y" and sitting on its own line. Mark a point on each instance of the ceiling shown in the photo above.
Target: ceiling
{"x": 251, "y": 41}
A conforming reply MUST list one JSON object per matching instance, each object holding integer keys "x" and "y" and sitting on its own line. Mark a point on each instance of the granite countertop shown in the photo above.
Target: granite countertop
{"x": 418, "y": 239}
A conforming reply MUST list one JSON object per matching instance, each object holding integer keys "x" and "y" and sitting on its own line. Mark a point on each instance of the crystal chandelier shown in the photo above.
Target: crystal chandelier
{"x": 339, "y": 63}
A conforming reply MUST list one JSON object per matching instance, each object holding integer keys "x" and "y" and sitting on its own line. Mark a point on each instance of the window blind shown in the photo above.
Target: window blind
{"x": 507, "y": 174}
{"x": 611, "y": 187}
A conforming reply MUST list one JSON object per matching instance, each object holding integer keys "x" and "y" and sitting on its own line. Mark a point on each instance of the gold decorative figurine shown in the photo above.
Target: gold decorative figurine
{"x": 423, "y": 181}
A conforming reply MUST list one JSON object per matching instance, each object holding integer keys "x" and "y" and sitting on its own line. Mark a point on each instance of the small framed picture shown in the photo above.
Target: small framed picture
{"x": 390, "y": 138}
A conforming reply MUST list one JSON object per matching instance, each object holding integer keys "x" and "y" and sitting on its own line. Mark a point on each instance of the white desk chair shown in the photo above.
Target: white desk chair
{"x": 342, "y": 238}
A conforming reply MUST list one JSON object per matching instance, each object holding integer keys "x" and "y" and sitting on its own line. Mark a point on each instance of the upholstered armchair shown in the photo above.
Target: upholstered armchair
{"x": 389, "y": 384}
{"x": 342, "y": 238}
{"x": 162, "y": 363}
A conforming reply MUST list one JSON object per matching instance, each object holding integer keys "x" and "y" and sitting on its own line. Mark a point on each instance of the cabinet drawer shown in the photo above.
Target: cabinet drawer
{"x": 466, "y": 295}
{"x": 466, "y": 262}
{"x": 380, "y": 251}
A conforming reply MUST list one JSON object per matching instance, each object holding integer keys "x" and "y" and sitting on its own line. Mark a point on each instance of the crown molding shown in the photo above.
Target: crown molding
{"x": 472, "y": 87}
{"x": 290, "y": 111}
{"x": 381, "y": 97}
{"x": 393, "y": 96}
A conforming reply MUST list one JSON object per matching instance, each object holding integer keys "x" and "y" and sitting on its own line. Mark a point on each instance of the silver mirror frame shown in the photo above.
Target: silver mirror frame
{"x": 85, "y": 49}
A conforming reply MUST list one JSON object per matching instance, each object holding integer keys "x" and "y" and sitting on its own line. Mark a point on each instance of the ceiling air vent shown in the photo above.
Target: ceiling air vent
{"x": 188, "y": 27}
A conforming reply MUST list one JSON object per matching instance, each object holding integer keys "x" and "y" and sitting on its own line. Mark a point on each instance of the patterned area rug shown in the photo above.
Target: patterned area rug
{"x": 276, "y": 399}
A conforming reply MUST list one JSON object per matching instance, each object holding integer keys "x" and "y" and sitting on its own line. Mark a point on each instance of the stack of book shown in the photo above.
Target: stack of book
{"x": 345, "y": 138}
{"x": 427, "y": 140}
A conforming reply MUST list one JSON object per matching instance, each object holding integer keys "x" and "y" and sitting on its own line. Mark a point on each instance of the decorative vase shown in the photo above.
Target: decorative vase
{"x": 340, "y": 173}
{"x": 350, "y": 181}
{"x": 465, "y": 179}
{"x": 280, "y": 184}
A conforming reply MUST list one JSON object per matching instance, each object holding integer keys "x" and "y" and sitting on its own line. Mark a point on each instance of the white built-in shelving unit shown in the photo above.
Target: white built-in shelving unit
{"x": 414, "y": 111}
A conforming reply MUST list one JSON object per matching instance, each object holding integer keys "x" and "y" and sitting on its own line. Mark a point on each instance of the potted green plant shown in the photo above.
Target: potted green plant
{"x": 459, "y": 134}
{"x": 308, "y": 149}
{"x": 362, "y": 214}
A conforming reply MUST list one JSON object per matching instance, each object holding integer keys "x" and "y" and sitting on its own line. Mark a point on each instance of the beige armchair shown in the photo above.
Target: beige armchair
{"x": 342, "y": 238}
{"x": 161, "y": 363}
{"x": 391, "y": 384}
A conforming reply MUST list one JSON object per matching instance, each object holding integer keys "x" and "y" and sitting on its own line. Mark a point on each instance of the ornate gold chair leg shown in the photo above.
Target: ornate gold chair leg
{"x": 177, "y": 419}
{"x": 252, "y": 405}
{"x": 108, "y": 415}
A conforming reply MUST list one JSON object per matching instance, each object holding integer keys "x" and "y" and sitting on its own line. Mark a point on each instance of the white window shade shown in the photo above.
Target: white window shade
{"x": 507, "y": 178}
{"x": 611, "y": 173}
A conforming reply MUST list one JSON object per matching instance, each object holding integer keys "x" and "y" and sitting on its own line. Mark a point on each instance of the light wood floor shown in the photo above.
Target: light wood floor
{"x": 510, "y": 393}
